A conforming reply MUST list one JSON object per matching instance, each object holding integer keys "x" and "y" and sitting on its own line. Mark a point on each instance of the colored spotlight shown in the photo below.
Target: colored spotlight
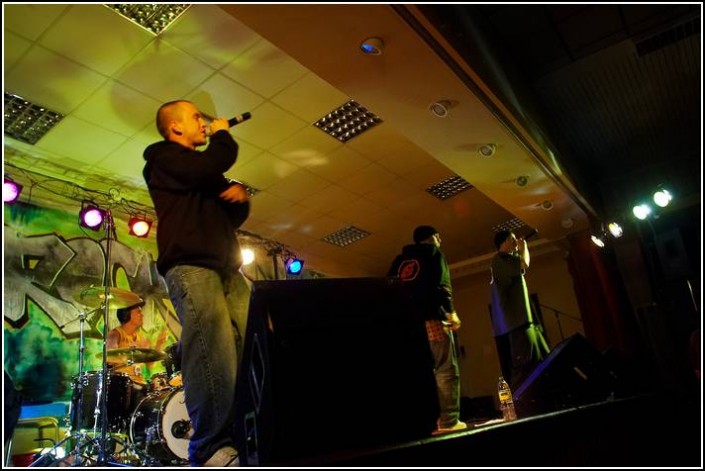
{"x": 294, "y": 266}
{"x": 615, "y": 229}
{"x": 597, "y": 240}
{"x": 10, "y": 191}
{"x": 139, "y": 227}
{"x": 91, "y": 216}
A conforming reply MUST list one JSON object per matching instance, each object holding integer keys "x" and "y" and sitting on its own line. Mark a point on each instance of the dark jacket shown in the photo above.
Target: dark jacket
{"x": 424, "y": 268}
{"x": 195, "y": 226}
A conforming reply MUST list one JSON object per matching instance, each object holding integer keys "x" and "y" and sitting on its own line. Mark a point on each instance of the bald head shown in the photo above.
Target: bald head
{"x": 167, "y": 113}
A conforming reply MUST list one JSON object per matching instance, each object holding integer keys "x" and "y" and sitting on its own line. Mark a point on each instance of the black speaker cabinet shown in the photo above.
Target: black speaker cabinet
{"x": 332, "y": 365}
{"x": 573, "y": 374}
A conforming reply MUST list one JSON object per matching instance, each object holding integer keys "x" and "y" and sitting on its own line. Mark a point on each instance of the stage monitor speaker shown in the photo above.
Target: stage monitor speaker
{"x": 332, "y": 365}
{"x": 573, "y": 374}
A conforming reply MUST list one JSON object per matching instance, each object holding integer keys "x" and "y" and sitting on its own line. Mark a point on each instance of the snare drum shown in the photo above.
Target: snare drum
{"x": 161, "y": 427}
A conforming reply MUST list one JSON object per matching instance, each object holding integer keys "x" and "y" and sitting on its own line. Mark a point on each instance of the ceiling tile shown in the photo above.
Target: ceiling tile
{"x": 292, "y": 219}
{"x": 356, "y": 212}
{"x": 81, "y": 140}
{"x": 269, "y": 126}
{"x": 262, "y": 172}
{"x": 15, "y": 18}
{"x": 378, "y": 142}
{"x": 307, "y": 148}
{"x": 118, "y": 108}
{"x": 393, "y": 192}
{"x": 265, "y": 205}
{"x": 63, "y": 85}
{"x": 320, "y": 227}
{"x": 213, "y": 37}
{"x": 264, "y": 69}
{"x": 429, "y": 174}
{"x": 80, "y": 35}
{"x": 246, "y": 152}
{"x": 14, "y": 48}
{"x": 367, "y": 180}
{"x": 340, "y": 163}
{"x": 405, "y": 159}
{"x": 164, "y": 72}
{"x": 125, "y": 161}
{"x": 233, "y": 98}
{"x": 310, "y": 98}
{"x": 298, "y": 185}
{"x": 329, "y": 198}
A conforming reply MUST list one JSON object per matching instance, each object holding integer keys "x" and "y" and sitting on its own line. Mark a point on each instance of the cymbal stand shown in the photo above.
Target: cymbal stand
{"x": 78, "y": 393}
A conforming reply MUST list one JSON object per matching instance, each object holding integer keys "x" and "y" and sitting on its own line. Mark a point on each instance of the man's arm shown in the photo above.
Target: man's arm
{"x": 524, "y": 254}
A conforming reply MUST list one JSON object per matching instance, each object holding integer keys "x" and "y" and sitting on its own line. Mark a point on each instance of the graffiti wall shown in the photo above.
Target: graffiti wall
{"x": 48, "y": 260}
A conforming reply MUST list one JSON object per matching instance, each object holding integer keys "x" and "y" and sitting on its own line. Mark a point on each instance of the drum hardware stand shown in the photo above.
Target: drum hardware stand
{"x": 82, "y": 439}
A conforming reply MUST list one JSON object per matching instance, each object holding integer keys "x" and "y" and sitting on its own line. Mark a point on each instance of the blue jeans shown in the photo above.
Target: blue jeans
{"x": 447, "y": 379}
{"x": 208, "y": 357}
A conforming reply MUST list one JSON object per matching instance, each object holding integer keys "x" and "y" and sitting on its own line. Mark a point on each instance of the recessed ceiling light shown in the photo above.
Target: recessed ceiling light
{"x": 154, "y": 17}
{"x": 345, "y": 236}
{"x": 522, "y": 180}
{"x": 440, "y": 108}
{"x": 26, "y": 121}
{"x": 347, "y": 121}
{"x": 510, "y": 225}
{"x": 487, "y": 150}
{"x": 372, "y": 46}
{"x": 449, "y": 187}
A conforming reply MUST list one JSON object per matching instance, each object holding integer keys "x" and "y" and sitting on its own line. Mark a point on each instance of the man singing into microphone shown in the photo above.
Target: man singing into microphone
{"x": 198, "y": 211}
{"x": 520, "y": 342}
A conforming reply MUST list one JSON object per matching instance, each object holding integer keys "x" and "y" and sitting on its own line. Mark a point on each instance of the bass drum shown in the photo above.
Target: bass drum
{"x": 161, "y": 427}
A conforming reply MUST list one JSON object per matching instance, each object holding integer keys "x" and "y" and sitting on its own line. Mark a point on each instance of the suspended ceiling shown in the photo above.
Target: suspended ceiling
{"x": 289, "y": 65}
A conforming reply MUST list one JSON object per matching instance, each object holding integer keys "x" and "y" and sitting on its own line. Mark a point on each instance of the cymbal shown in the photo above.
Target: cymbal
{"x": 134, "y": 355}
{"x": 94, "y": 296}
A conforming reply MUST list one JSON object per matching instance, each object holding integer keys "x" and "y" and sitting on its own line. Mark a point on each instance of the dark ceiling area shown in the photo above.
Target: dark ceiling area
{"x": 613, "y": 90}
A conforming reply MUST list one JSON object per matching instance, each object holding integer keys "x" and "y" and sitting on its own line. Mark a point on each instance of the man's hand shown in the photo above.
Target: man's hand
{"x": 219, "y": 124}
{"x": 452, "y": 321}
{"x": 235, "y": 194}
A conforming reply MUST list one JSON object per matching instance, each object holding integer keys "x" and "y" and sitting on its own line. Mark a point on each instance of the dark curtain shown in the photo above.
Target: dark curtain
{"x": 608, "y": 318}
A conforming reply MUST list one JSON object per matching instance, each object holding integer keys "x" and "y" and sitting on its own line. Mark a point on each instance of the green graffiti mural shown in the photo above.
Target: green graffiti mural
{"x": 48, "y": 259}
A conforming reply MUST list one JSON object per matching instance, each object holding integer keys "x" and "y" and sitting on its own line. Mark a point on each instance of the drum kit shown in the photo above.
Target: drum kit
{"x": 116, "y": 421}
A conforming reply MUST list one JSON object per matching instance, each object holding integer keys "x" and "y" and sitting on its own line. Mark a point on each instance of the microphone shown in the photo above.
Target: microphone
{"x": 239, "y": 119}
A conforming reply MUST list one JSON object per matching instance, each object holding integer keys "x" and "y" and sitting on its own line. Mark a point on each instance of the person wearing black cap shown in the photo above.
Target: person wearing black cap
{"x": 424, "y": 267}
{"x": 520, "y": 342}
{"x": 130, "y": 334}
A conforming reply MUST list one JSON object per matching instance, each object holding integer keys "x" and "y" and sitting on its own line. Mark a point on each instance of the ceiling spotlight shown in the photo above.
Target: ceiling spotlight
{"x": 372, "y": 46}
{"x": 293, "y": 266}
{"x": 662, "y": 198}
{"x": 567, "y": 223}
{"x": 487, "y": 150}
{"x": 522, "y": 180}
{"x": 90, "y": 216}
{"x": 615, "y": 229}
{"x": 139, "y": 227}
{"x": 440, "y": 108}
{"x": 598, "y": 240}
{"x": 641, "y": 211}
{"x": 547, "y": 205}
{"x": 10, "y": 191}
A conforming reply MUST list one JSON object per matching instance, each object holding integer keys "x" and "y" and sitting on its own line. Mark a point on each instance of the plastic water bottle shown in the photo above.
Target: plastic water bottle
{"x": 506, "y": 401}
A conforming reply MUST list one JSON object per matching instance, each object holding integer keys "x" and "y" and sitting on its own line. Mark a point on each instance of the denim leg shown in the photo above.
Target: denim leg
{"x": 447, "y": 379}
{"x": 208, "y": 357}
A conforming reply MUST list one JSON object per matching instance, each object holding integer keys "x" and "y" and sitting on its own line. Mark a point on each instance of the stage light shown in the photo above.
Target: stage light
{"x": 662, "y": 197}
{"x": 10, "y": 191}
{"x": 598, "y": 240}
{"x": 615, "y": 229}
{"x": 91, "y": 216}
{"x": 293, "y": 266}
{"x": 248, "y": 256}
{"x": 139, "y": 227}
{"x": 641, "y": 211}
